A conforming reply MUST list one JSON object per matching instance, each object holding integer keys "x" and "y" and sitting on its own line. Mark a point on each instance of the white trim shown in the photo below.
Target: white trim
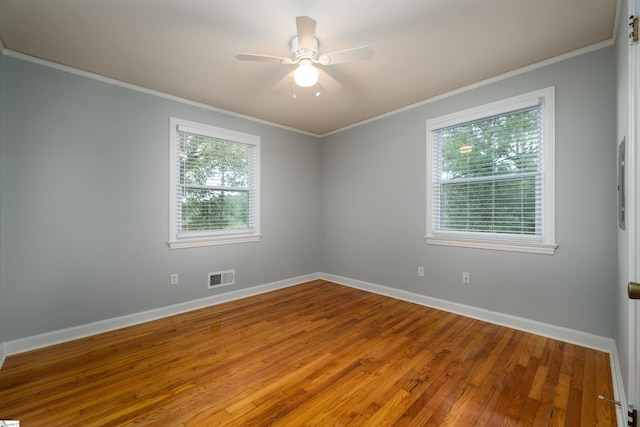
{"x": 46, "y": 339}
{"x": 103, "y": 79}
{"x": 571, "y": 336}
{"x": 535, "y": 248}
{"x": 214, "y": 241}
{"x": 503, "y": 106}
{"x": 618, "y": 387}
{"x": 632, "y": 159}
{"x": 210, "y": 238}
{"x": 3, "y": 356}
{"x": 551, "y": 331}
{"x": 509, "y": 74}
{"x": 526, "y": 100}
{"x": 203, "y": 129}
{"x": 549, "y": 160}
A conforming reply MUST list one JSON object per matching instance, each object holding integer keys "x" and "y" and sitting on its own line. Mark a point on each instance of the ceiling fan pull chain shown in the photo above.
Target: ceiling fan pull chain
{"x": 318, "y": 89}
{"x": 294, "y": 91}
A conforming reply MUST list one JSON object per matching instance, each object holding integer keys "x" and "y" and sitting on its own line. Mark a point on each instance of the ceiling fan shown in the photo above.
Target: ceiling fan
{"x": 304, "y": 54}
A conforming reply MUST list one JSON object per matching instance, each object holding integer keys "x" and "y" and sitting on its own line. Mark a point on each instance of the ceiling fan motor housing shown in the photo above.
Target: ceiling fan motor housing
{"x": 303, "y": 53}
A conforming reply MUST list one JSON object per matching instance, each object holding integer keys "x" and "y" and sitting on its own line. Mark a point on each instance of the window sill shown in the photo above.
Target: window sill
{"x": 213, "y": 241}
{"x": 535, "y": 248}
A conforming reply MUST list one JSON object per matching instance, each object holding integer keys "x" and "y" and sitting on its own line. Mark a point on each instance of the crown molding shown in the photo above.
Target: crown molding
{"x": 109, "y": 80}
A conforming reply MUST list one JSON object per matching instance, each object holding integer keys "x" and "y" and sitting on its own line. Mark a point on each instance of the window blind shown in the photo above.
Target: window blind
{"x": 215, "y": 191}
{"x": 487, "y": 177}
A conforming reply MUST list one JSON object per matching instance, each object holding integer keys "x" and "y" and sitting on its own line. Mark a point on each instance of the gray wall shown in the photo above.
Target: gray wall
{"x": 84, "y": 205}
{"x": 84, "y": 173}
{"x": 374, "y": 213}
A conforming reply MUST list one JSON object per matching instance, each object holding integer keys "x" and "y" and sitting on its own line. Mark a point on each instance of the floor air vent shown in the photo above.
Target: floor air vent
{"x": 221, "y": 278}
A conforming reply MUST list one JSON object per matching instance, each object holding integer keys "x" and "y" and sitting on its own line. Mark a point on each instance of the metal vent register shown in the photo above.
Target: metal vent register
{"x": 221, "y": 278}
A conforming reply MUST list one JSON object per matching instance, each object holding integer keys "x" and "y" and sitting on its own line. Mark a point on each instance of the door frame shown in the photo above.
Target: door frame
{"x": 633, "y": 198}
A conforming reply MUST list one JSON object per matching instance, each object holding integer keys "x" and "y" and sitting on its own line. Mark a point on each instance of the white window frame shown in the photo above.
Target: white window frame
{"x": 547, "y": 245}
{"x": 213, "y": 237}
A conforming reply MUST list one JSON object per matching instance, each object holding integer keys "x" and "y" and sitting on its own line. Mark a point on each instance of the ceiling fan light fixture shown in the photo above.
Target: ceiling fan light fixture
{"x": 304, "y": 54}
{"x": 306, "y": 74}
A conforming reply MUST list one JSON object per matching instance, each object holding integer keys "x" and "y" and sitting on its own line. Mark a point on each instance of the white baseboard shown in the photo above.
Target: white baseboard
{"x": 618, "y": 388}
{"x": 551, "y": 331}
{"x": 584, "y": 339}
{"x": 63, "y": 335}
{"x": 3, "y": 356}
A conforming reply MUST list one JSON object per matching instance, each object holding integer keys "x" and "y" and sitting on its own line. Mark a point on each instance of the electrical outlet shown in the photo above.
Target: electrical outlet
{"x": 174, "y": 279}
{"x": 466, "y": 278}
{"x": 420, "y": 271}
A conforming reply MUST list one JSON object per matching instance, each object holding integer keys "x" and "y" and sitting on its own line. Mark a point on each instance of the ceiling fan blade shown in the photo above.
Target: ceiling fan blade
{"x": 348, "y": 55}
{"x": 282, "y": 85}
{"x": 328, "y": 82}
{"x": 306, "y": 32}
{"x": 263, "y": 58}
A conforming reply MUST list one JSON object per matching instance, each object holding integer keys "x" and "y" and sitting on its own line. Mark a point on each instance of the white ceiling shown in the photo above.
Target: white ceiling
{"x": 187, "y": 48}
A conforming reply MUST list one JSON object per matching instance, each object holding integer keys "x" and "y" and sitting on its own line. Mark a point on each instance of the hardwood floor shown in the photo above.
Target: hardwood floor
{"x": 314, "y": 354}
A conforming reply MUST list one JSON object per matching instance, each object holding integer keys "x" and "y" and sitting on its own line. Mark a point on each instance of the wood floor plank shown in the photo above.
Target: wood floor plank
{"x": 313, "y": 354}
{"x": 604, "y": 388}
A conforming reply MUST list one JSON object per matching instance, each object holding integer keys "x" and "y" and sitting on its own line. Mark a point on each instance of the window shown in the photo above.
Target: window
{"x": 491, "y": 176}
{"x": 214, "y": 185}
